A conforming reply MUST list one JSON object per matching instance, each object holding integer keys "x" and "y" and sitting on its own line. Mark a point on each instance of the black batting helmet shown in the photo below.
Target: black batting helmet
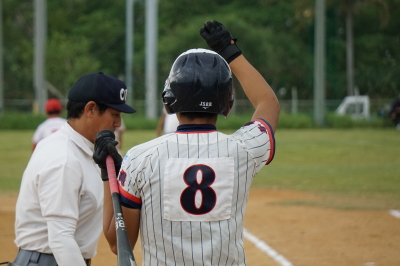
{"x": 200, "y": 80}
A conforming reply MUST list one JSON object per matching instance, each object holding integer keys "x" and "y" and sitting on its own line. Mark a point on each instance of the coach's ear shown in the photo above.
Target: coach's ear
{"x": 90, "y": 108}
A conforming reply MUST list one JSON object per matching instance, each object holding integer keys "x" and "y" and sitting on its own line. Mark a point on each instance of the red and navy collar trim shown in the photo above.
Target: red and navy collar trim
{"x": 196, "y": 128}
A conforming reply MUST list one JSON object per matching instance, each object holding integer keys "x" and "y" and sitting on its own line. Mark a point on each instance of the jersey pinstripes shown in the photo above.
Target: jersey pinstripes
{"x": 166, "y": 242}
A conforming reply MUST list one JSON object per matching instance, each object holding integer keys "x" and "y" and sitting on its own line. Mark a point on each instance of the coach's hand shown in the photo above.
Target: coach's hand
{"x": 220, "y": 40}
{"x": 104, "y": 145}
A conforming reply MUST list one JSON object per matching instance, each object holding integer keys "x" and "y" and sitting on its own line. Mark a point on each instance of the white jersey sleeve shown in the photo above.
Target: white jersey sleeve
{"x": 257, "y": 138}
{"x": 129, "y": 180}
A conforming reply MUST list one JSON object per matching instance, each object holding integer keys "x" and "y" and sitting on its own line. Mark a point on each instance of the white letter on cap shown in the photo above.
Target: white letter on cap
{"x": 122, "y": 94}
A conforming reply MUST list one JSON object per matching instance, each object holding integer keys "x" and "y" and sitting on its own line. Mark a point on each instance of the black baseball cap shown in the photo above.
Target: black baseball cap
{"x": 103, "y": 89}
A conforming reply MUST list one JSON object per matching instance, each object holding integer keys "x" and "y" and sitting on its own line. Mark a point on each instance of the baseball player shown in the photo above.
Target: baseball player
{"x": 394, "y": 112}
{"x": 53, "y": 122}
{"x": 60, "y": 204}
{"x": 188, "y": 190}
{"x": 168, "y": 123}
{"x": 119, "y": 132}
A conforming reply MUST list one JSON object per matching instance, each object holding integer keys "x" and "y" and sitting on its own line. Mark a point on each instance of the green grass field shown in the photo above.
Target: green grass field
{"x": 346, "y": 169}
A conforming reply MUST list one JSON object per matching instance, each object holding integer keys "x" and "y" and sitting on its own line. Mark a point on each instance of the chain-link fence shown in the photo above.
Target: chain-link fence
{"x": 377, "y": 106}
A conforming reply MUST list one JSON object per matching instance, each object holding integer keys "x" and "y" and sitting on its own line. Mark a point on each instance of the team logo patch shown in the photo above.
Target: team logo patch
{"x": 122, "y": 177}
{"x": 262, "y": 128}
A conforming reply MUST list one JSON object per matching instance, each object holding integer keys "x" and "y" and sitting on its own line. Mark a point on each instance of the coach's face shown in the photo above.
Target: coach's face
{"x": 110, "y": 119}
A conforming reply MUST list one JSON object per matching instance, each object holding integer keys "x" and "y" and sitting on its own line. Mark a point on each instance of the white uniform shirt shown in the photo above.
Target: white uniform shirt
{"x": 48, "y": 127}
{"x": 61, "y": 181}
{"x": 192, "y": 187}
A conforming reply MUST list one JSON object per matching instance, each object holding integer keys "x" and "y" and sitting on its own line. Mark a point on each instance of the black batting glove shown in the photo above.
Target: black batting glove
{"x": 220, "y": 40}
{"x": 104, "y": 145}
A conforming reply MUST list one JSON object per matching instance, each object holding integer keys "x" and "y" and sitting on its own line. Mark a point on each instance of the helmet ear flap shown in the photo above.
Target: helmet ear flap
{"x": 168, "y": 99}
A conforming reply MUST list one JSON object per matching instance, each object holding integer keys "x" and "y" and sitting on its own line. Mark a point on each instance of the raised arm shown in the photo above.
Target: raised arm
{"x": 256, "y": 88}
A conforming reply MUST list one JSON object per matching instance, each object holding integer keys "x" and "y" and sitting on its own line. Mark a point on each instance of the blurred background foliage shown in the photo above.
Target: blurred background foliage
{"x": 276, "y": 36}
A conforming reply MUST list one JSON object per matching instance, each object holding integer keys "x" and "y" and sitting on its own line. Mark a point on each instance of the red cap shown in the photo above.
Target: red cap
{"x": 53, "y": 105}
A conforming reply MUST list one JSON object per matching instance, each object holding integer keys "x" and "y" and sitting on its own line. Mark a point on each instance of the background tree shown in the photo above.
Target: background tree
{"x": 349, "y": 8}
{"x": 276, "y": 36}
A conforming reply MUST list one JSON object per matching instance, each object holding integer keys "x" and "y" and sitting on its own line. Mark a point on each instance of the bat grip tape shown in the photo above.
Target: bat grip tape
{"x": 112, "y": 176}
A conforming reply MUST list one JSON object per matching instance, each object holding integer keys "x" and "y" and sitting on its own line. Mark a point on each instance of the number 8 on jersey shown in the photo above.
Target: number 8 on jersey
{"x": 198, "y": 189}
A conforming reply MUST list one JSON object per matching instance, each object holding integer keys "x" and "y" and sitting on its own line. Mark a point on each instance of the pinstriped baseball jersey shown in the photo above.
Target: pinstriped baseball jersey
{"x": 192, "y": 187}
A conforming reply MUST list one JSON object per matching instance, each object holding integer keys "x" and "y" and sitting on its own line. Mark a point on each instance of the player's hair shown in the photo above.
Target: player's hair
{"x": 194, "y": 115}
{"x": 75, "y": 109}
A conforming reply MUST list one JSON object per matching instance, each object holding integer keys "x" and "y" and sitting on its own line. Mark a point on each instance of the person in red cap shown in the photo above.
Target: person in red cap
{"x": 53, "y": 122}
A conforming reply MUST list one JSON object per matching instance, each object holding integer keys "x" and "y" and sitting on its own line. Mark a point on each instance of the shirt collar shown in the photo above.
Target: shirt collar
{"x": 78, "y": 139}
{"x": 196, "y": 128}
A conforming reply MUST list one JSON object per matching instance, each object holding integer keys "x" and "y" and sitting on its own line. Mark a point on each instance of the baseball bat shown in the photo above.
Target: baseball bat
{"x": 124, "y": 249}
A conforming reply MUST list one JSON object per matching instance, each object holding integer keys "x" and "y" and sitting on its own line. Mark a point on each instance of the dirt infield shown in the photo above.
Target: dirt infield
{"x": 304, "y": 235}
